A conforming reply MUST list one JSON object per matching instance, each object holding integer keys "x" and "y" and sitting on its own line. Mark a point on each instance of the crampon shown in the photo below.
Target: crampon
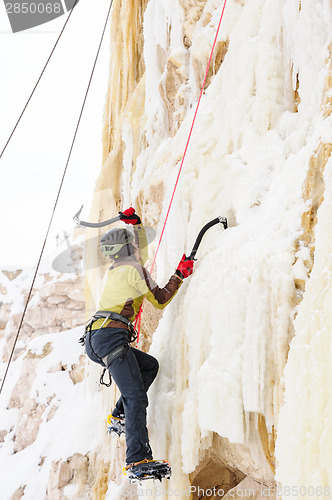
{"x": 115, "y": 425}
{"x": 148, "y": 469}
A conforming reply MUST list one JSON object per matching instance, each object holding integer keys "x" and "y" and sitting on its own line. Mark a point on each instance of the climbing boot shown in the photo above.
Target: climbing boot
{"x": 116, "y": 425}
{"x": 147, "y": 469}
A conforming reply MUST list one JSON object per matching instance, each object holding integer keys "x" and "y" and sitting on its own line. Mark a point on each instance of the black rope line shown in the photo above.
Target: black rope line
{"x": 37, "y": 83}
{"x": 56, "y": 201}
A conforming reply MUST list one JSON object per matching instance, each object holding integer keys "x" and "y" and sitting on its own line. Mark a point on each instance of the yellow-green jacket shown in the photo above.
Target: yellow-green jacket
{"x": 128, "y": 282}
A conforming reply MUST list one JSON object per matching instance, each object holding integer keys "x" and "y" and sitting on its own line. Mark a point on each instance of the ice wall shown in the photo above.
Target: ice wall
{"x": 304, "y": 427}
{"x": 305, "y": 433}
{"x": 126, "y": 70}
{"x": 259, "y": 154}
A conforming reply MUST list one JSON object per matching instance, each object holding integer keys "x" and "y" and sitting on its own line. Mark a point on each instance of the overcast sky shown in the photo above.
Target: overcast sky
{"x": 32, "y": 166}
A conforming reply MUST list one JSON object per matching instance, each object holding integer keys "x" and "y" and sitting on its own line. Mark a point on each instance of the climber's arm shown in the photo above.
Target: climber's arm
{"x": 159, "y": 297}
{"x": 130, "y": 217}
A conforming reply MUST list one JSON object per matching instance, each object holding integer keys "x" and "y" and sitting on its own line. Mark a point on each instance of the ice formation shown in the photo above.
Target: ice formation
{"x": 244, "y": 348}
{"x": 258, "y": 154}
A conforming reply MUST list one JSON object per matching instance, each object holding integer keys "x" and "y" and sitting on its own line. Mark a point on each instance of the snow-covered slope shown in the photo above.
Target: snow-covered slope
{"x": 48, "y": 422}
{"x": 45, "y": 418}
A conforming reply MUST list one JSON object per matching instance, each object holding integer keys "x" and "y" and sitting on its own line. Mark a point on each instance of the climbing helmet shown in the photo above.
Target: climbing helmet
{"x": 112, "y": 241}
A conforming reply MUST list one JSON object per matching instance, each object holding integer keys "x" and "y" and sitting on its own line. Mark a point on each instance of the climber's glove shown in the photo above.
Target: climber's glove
{"x": 185, "y": 267}
{"x": 129, "y": 217}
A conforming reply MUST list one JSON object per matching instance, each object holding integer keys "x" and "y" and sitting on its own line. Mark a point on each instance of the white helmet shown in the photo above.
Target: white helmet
{"x": 112, "y": 241}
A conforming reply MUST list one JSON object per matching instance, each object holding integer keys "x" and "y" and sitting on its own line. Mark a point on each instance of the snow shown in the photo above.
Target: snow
{"x": 74, "y": 428}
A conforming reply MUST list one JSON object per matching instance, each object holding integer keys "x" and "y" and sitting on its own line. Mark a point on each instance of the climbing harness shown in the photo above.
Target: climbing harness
{"x": 107, "y": 360}
{"x": 115, "y": 353}
{"x": 110, "y": 315}
{"x": 121, "y": 350}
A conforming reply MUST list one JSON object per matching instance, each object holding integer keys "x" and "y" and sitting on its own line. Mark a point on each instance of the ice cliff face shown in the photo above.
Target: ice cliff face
{"x": 258, "y": 300}
{"x": 243, "y": 398}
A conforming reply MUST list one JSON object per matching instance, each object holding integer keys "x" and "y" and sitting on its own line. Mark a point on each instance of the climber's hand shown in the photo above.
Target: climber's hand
{"x": 185, "y": 267}
{"x": 129, "y": 217}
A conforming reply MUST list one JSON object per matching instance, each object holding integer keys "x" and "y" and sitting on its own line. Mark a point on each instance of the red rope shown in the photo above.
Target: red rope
{"x": 138, "y": 317}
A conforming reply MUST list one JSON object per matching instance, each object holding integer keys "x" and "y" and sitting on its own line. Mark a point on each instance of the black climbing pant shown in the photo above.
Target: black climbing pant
{"x": 133, "y": 375}
{"x": 133, "y": 371}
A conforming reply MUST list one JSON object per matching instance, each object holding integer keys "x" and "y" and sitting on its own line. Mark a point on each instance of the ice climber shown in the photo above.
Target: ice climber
{"x": 109, "y": 335}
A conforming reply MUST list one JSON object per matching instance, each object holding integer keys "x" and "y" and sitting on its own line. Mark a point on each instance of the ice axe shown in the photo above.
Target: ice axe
{"x": 63, "y": 263}
{"x": 94, "y": 224}
{"x": 217, "y": 220}
{"x": 149, "y": 232}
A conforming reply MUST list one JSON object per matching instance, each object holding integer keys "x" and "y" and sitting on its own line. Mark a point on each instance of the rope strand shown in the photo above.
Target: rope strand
{"x": 56, "y": 201}
{"x": 40, "y": 77}
{"x": 138, "y": 320}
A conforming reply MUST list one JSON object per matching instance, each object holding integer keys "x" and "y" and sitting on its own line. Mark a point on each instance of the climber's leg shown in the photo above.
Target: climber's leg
{"x": 127, "y": 375}
{"x": 148, "y": 366}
